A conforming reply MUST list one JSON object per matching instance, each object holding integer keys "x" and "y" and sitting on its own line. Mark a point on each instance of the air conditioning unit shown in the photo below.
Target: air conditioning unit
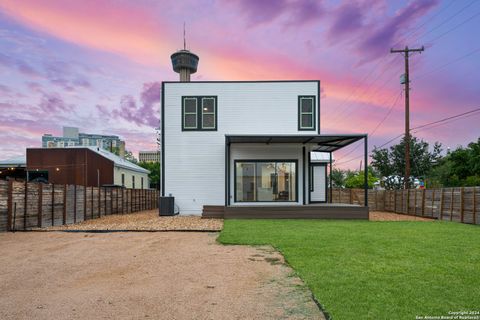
{"x": 166, "y": 206}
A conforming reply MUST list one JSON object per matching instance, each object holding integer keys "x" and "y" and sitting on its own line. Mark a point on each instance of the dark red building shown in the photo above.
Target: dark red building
{"x": 80, "y": 166}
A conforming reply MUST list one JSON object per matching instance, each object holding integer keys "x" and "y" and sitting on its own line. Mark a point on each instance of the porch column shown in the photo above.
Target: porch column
{"x": 366, "y": 169}
{"x": 330, "y": 180}
{"x": 227, "y": 172}
{"x": 304, "y": 160}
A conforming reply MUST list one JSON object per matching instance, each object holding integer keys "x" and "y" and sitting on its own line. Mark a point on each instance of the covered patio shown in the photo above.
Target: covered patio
{"x": 304, "y": 206}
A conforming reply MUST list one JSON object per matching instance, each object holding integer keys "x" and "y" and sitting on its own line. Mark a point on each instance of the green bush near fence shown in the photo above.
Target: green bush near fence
{"x": 375, "y": 270}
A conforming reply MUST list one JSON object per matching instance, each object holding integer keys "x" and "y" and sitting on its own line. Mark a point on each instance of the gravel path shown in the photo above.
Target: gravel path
{"x": 390, "y": 216}
{"x": 145, "y": 221}
{"x": 144, "y": 275}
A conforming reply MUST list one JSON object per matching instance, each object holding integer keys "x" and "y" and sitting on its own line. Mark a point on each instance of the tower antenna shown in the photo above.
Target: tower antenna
{"x": 184, "y": 62}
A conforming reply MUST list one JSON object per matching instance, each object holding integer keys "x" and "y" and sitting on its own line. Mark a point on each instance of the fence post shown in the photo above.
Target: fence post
{"x": 40, "y": 205}
{"x": 85, "y": 202}
{"x": 415, "y": 202}
{"x": 64, "y": 204}
{"x": 53, "y": 204}
{"x": 74, "y": 203}
{"x": 433, "y": 201}
{"x": 10, "y": 205}
{"x": 407, "y": 206}
{"x": 91, "y": 203}
{"x": 99, "y": 201}
{"x": 474, "y": 206}
{"x": 461, "y": 205}
{"x": 423, "y": 202}
{"x": 25, "y": 204}
{"x": 441, "y": 204}
{"x": 105, "y": 199}
{"x": 451, "y": 204}
{"x": 111, "y": 201}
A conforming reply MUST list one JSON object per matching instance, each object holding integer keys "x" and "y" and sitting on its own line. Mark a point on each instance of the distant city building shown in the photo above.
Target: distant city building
{"x": 71, "y": 137}
{"x": 149, "y": 156}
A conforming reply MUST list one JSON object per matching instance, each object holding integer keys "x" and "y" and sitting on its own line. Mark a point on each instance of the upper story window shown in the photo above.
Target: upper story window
{"x": 306, "y": 113}
{"x": 199, "y": 113}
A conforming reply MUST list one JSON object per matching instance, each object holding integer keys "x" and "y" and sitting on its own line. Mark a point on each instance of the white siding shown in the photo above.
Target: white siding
{"x": 195, "y": 160}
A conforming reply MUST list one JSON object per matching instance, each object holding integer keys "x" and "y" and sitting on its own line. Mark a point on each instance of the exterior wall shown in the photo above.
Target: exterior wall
{"x": 75, "y": 166}
{"x": 194, "y": 161}
{"x": 118, "y": 171}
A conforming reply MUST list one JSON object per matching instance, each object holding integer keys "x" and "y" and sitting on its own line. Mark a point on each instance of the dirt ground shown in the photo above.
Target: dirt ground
{"x": 390, "y": 216}
{"x": 144, "y": 275}
{"x": 145, "y": 221}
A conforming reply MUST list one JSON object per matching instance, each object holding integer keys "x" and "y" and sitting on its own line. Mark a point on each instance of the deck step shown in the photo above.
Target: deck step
{"x": 217, "y": 212}
{"x": 297, "y": 212}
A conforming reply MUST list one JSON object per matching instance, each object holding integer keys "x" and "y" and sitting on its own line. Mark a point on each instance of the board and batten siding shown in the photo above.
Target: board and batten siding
{"x": 194, "y": 161}
{"x": 117, "y": 174}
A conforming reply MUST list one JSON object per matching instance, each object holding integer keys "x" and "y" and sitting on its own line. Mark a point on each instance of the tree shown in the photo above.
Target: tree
{"x": 357, "y": 179}
{"x": 130, "y": 157}
{"x": 154, "y": 176}
{"x": 460, "y": 167}
{"x": 390, "y": 163}
{"x": 338, "y": 178}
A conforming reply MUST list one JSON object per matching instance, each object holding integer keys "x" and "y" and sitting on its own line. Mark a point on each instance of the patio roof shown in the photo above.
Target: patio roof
{"x": 325, "y": 143}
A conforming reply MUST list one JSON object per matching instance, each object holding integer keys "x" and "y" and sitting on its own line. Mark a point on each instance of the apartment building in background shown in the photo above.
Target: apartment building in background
{"x": 149, "y": 156}
{"x": 73, "y": 138}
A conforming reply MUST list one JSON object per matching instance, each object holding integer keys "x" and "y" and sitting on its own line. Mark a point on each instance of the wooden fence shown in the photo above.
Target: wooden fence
{"x": 24, "y": 206}
{"x": 452, "y": 204}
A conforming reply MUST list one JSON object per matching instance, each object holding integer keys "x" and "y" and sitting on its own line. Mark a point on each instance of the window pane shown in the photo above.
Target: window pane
{"x": 286, "y": 181}
{"x": 190, "y": 121}
{"x": 208, "y": 105}
{"x": 245, "y": 181}
{"x": 307, "y": 121}
{"x": 266, "y": 181}
{"x": 208, "y": 121}
{"x": 190, "y": 105}
{"x": 307, "y": 105}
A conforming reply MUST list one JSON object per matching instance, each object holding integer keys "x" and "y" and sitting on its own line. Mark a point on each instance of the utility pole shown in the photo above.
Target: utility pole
{"x": 406, "y": 53}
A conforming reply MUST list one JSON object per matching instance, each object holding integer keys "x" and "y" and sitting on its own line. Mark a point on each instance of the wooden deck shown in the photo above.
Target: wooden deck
{"x": 312, "y": 211}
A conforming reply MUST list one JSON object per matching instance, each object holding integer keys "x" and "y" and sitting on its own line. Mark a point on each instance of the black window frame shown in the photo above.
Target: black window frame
{"x": 313, "y": 113}
{"x": 200, "y": 113}
{"x": 295, "y": 161}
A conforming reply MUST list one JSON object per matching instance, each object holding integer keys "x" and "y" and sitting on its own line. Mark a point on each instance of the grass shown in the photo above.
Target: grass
{"x": 375, "y": 270}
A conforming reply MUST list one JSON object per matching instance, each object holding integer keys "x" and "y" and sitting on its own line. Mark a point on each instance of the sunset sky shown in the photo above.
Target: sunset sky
{"x": 97, "y": 65}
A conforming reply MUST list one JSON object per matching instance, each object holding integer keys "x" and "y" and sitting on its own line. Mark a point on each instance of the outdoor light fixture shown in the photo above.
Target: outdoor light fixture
{"x": 58, "y": 169}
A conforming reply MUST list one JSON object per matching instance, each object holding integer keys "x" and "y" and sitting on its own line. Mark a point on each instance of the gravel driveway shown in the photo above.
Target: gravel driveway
{"x": 145, "y": 276}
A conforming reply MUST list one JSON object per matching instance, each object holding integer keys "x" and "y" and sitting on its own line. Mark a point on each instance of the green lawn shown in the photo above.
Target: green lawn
{"x": 375, "y": 270}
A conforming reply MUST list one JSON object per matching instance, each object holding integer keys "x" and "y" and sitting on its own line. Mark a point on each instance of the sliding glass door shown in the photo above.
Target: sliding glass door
{"x": 265, "y": 181}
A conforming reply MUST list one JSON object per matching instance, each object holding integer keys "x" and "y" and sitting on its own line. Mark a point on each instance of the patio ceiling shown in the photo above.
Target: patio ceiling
{"x": 325, "y": 143}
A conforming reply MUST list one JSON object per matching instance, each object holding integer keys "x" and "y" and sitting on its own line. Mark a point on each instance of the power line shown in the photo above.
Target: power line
{"x": 454, "y": 28}
{"x": 426, "y": 125}
{"x": 438, "y": 68}
{"x": 378, "y": 125}
{"x": 446, "y": 20}
{"x": 446, "y": 119}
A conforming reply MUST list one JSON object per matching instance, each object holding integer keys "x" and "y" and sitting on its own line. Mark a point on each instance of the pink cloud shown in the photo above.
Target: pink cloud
{"x": 147, "y": 114}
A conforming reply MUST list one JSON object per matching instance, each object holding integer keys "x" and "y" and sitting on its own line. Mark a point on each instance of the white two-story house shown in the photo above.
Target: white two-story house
{"x": 245, "y": 145}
